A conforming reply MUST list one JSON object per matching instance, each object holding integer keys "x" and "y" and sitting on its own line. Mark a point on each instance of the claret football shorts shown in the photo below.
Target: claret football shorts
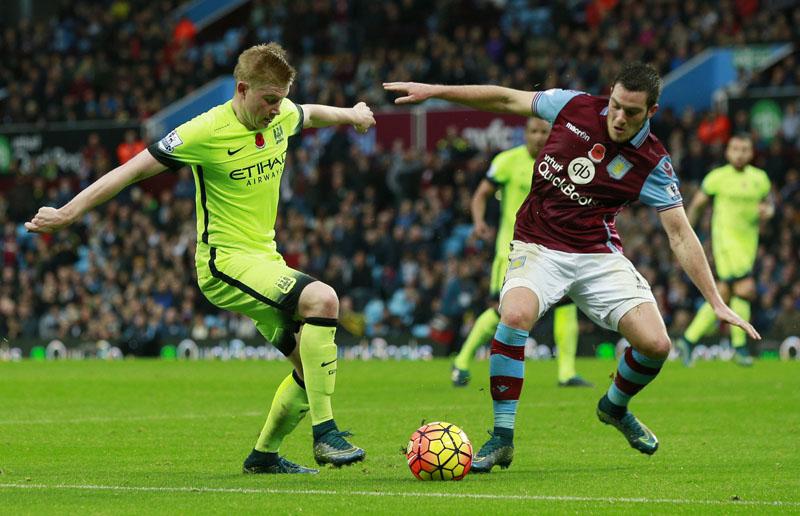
{"x": 259, "y": 286}
{"x": 604, "y": 286}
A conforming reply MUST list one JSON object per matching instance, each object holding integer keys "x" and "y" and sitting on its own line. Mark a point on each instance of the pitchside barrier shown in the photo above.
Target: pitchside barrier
{"x": 392, "y": 347}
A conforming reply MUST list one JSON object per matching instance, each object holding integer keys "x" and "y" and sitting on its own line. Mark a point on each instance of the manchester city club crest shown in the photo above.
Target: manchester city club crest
{"x": 618, "y": 167}
{"x": 277, "y": 133}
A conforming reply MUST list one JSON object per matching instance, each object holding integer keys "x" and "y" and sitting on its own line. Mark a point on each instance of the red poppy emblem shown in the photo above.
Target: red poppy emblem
{"x": 597, "y": 153}
{"x": 259, "y": 140}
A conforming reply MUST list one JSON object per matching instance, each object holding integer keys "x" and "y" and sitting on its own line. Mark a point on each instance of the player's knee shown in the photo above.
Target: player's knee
{"x": 517, "y": 317}
{"x": 319, "y": 300}
{"x": 658, "y": 347}
{"x": 724, "y": 291}
{"x": 745, "y": 290}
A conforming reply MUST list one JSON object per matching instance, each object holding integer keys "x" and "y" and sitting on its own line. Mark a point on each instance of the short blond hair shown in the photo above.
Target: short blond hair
{"x": 264, "y": 65}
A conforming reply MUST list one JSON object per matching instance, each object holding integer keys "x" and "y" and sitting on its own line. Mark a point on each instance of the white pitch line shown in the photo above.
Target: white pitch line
{"x": 403, "y": 495}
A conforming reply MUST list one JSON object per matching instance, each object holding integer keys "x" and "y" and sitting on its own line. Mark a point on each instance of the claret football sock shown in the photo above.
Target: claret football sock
{"x": 289, "y": 406}
{"x": 506, "y": 373}
{"x": 633, "y": 373}
{"x": 318, "y": 355}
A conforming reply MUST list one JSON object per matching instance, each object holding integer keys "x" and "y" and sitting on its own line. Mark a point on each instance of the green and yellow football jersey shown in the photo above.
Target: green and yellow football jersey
{"x": 237, "y": 174}
{"x": 734, "y": 223}
{"x": 512, "y": 172}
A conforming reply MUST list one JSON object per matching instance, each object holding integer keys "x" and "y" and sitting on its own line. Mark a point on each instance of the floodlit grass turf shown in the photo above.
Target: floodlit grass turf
{"x": 726, "y": 433}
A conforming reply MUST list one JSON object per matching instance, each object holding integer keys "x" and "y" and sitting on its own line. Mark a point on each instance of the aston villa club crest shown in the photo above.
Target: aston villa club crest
{"x": 517, "y": 263}
{"x": 260, "y": 140}
{"x": 598, "y": 153}
{"x": 618, "y": 167}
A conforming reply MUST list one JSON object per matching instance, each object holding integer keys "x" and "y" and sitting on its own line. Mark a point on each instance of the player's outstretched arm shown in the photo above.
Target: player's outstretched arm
{"x": 496, "y": 99}
{"x": 49, "y": 220}
{"x": 359, "y": 116}
{"x": 686, "y": 246}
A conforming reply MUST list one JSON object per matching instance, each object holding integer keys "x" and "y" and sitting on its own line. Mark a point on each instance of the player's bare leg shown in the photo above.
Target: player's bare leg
{"x": 507, "y": 370}
{"x": 644, "y": 328}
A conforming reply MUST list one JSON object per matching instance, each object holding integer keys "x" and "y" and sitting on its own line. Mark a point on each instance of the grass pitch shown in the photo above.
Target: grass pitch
{"x": 151, "y": 437}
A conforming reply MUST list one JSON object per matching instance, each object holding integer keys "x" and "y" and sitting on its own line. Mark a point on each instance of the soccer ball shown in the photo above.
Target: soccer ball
{"x": 439, "y": 451}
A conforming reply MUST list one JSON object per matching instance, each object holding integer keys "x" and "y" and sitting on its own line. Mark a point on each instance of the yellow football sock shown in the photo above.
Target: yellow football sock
{"x": 742, "y": 308}
{"x": 701, "y": 324}
{"x": 318, "y": 355}
{"x": 481, "y": 333}
{"x": 565, "y": 333}
{"x": 289, "y": 406}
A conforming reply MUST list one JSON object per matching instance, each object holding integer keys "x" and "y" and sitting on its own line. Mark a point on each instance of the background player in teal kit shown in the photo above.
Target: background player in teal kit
{"x": 237, "y": 152}
{"x": 512, "y": 171}
{"x": 741, "y": 200}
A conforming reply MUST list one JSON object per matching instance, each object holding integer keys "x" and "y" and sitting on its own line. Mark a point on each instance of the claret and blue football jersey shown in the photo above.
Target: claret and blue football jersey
{"x": 582, "y": 179}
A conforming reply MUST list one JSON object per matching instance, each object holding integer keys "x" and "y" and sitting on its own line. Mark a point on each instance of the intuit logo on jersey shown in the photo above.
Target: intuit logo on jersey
{"x": 578, "y": 132}
{"x": 260, "y": 172}
{"x": 553, "y": 163}
{"x": 545, "y": 169}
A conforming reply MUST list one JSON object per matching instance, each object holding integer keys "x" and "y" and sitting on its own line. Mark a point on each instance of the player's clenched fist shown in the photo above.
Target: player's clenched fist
{"x": 415, "y": 91}
{"x": 47, "y": 220}
{"x": 482, "y": 230}
{"x": 364, "y": 118}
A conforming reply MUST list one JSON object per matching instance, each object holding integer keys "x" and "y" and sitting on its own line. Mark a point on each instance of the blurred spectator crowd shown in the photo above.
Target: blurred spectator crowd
{"x": 127, "y": 59}
{"x": 389, "y": 230}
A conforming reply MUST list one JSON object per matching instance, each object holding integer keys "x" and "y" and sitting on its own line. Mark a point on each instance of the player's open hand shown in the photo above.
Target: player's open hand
{"x": 724, "y": 313}
{"x": 415, "y": 91}
{"x": 47, "y": 220}
{"x": 364, "y": 119}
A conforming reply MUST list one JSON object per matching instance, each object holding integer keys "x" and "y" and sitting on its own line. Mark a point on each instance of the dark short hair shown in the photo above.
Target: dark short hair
{"x": 637, "y": 76}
